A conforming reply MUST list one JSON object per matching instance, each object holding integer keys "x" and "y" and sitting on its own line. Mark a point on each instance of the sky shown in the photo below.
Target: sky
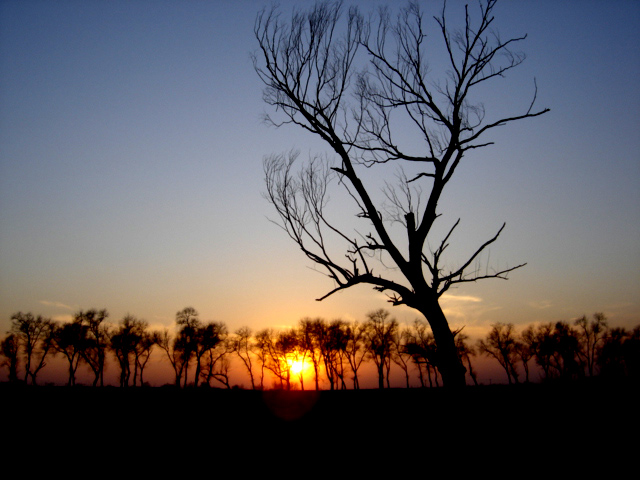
{"x": 131, "y": 149}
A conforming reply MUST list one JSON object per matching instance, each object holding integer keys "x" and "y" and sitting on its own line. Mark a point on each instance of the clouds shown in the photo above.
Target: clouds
{"x": 540, "y": 305}
{"x": 467, "y": 310}
{"x": 48, "y": 303}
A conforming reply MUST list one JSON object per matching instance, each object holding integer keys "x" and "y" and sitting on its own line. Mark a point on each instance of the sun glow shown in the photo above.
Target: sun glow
{"x": 297, "y": 367}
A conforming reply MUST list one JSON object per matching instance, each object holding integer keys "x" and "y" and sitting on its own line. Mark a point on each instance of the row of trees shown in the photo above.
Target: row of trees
{"x": 87, "y": 339}
{"x": 565, "y": 351}
{"x": 202, "y": 353}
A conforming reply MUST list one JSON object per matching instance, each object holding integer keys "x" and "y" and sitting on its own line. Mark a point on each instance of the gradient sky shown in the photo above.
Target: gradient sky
{"x": 131, "y": 147}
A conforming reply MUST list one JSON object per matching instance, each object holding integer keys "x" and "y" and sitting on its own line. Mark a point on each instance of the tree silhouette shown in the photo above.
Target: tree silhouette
{"x": 620, "y": 354}
{"x": 312, "y": 68}
{"x": 70, "y": 340}
{"x": 35, "y": 336}
{"x": 500, "y": 344}
{"x": 143, "y": 352}
{"x": 400, "y": 354}
{"x": 526, "y": 348}
{"x": 96, "y": 344}
{"x": 356, "y": 349}
{"x": 309, "y": 340}
{"x": 213, "y": 342}
{"x": 275, "y": 348}
{"x": 174, "y": 349}
{"x": 186, "y": 343}
{"x": 243, "y": 346}
{"x": 422, "y": 348}
{"x": 9, "y": 352}
{"x": 591, "y": 336}
{"x": 567, "y": 346}
{"x": 380, "y": 332}
{"x": 131, "y": 345}
{"x": 332, "y": 343}
{"x": 465, "y": 352}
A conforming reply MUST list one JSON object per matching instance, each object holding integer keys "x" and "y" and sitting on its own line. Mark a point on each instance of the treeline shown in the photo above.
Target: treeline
{"x": 332, "y": 351}
{"x": 565, "y": 351}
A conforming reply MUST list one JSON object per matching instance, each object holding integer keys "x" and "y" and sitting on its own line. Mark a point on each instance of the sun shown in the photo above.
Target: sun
{"x": 297, "y": 366}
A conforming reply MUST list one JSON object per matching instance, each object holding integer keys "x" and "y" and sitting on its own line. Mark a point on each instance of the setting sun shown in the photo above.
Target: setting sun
{"x": 297, "y": 367}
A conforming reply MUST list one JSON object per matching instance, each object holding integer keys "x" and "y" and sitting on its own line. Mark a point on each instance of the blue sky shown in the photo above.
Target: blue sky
{"x": 131, "y": 147}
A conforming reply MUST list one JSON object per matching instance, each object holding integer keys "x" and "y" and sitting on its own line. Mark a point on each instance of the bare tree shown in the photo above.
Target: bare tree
{"x": 243, "y": 347}
{"x": 131, "y": 344}
{"x": 214, "y": 347}
{"x": 70, "y": 339}
{"x": 591, "y": 336}
{"x": 308, "y": 330}
{"x": 186, "y": 339}
{"x": 356, "y": 350}
{"x": 466, "y": 352}
{"x": 143, "y": 352}
{"x": 174, "y": 348}
{"x": 422, "y": 348}
{"x": 526, "y": 348}
{"x": 361, "y": 84}
{"x": 94, "y": 352}
{"x": 400, "y": 353}
{"x": 332, "y": 344}
{"x": 35, "y": 336}
{"x": 274, "y": 348}
{"x": 380, "y": 332}
{"x": 500, "y": 344}
{"x": 9, "y": 353}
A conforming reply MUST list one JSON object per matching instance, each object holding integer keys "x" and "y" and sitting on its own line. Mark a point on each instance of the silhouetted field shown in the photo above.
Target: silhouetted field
{"x": 581, "y": 427}
{"x": 534, "y": 411}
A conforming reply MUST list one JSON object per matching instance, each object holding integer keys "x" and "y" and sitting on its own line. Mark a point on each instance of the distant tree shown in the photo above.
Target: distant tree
{"x": 556, "y": 348}
{"x": 466, "y": 352}
{"x": 70, "y": 340}
{"x": 356, "y": 349}
{"x": 9, "y": 353}
{"x": 422, "y": 348}
{"x": 332, "y": 344}
{"x": 309, "y": 340}
{"x": 632, "y": 353}
{"x": 96, "y": 344}
{"x": 213, "y": 345}
{"x": 526, "y": 348}
{"x": 500, "y": 344}
{"x": 567, "y": 347}
{"x": 591, "y": 337}
{"x": 278, "y": 351}
{"x": 143, "y": 352}
{"x": 285, "y": 347}
{"x": 35, "y": 336}
{"x": 204, "y": 338}
{"x": 127, "y": 345}
{"x": 400, "y": 354}
{"x": 339, "y": 341}
{"x": 174, "y": 349}
{"x": 263, "y": 347}
{"x": 542, "y": 343}
{"x": 380, "y": 331}
{"x": 186, "y": 342}
{"x": 243, "y": 346}
{"x": 326, "y": 349}
{"x": 620, "y": 354}
{"x": 364, "y": 85}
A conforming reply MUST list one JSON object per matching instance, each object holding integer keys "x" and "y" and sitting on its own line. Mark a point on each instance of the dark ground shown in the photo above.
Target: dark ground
{"x": 534, "y": 421}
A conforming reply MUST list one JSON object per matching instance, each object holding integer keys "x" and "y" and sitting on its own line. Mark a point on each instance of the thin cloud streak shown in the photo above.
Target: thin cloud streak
{"x": 56, "y": 304}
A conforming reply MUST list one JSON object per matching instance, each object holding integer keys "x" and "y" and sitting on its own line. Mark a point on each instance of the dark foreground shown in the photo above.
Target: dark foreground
{"x": 526, "y": 418}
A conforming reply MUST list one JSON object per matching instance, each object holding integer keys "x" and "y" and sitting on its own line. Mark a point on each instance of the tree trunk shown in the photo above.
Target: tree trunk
{"x": 447, "y": 360}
